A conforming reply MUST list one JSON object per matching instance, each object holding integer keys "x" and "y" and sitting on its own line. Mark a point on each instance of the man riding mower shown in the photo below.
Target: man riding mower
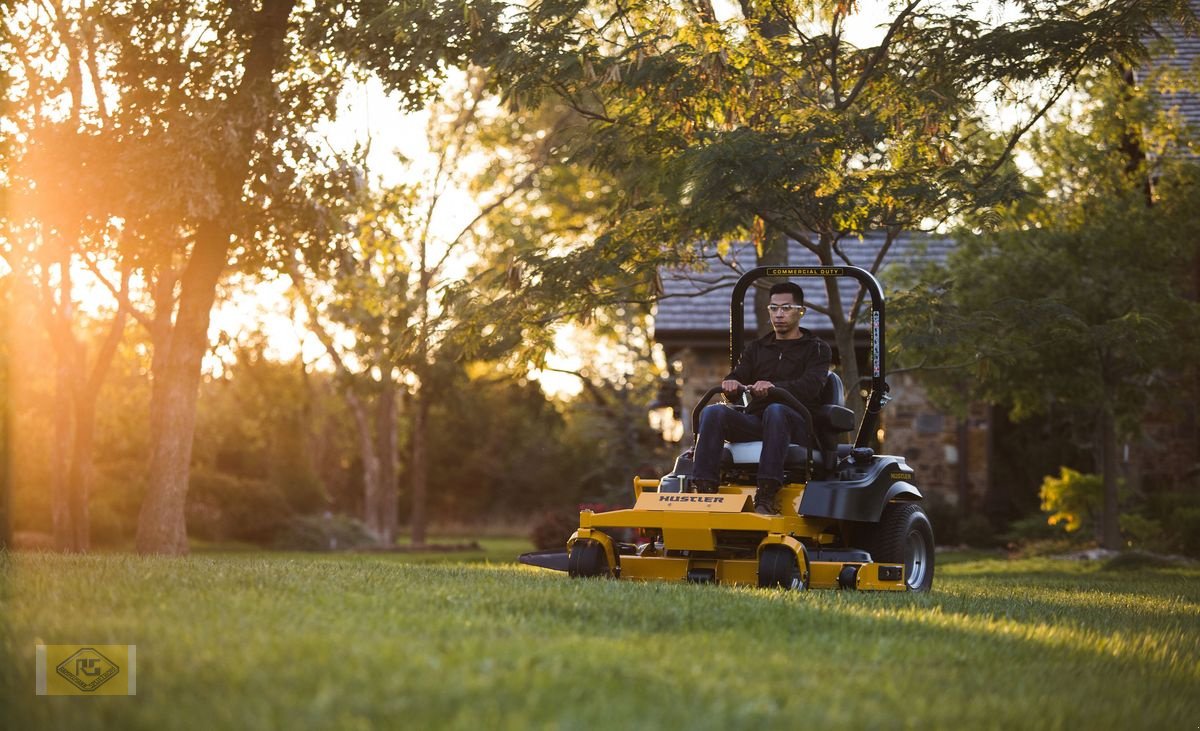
{"x": 768, "y": 496}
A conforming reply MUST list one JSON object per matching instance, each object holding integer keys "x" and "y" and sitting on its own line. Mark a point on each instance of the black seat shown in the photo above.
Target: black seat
{"x": 831, "y": 418}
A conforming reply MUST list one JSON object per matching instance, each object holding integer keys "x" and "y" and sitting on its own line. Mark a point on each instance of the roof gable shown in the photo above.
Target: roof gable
{"x": 1184, "y": 56}
{"x": 697, "y": 301}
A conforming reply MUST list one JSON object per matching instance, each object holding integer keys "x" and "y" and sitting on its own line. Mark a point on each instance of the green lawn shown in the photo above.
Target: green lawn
{"x": 298, "y": 641}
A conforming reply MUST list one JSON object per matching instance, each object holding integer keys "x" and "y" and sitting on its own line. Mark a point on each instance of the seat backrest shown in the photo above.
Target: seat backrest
{"x": 832, "y": 418}
{"x": 833, "y": 393}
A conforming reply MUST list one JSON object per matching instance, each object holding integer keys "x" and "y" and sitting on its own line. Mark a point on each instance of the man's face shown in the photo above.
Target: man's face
{"x": 785, "y": 313}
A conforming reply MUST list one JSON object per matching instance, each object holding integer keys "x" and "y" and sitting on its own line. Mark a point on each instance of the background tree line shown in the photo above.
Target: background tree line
{"x": 162, "y": 147}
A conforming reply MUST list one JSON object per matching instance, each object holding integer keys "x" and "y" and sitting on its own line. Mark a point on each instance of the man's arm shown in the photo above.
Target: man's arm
{"x": 744, "y": 372}
{"x": 808, "y": 386}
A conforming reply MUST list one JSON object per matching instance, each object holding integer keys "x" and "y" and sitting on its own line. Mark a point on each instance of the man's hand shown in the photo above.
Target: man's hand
{"x": 760, "y": 388}
{"x": 731, "y": 387}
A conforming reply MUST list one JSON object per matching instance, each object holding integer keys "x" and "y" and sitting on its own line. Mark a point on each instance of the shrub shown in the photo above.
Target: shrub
{"x": 326, "y": 532}
{"x": 109, "y": 526}
{"x": 1142, "y": 532}
{"x": 1072, "y": 499}
{"x": 976, "y": 530}
{"x": 1184, "y": 526}
{"x": 945, "y": 517}
{"x": 1034, "y": 528}
{"x": 553, "y": 529}
{"x": 222, "y": 507}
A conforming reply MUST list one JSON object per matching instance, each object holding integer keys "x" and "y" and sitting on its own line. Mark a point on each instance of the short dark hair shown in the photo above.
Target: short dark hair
{"x": 789, "y": 288}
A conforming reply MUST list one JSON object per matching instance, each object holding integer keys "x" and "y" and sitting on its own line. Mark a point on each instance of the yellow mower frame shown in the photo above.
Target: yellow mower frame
{"x": 691, "y": 523}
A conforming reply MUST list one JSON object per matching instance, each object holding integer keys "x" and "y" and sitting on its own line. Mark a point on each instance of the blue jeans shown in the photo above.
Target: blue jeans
{"x": 777, "y": 427}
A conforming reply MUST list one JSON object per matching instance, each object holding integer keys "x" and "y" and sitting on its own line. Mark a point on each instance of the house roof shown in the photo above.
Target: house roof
{"x": 1183, "y": 56}
{"x": 695, "y": 302}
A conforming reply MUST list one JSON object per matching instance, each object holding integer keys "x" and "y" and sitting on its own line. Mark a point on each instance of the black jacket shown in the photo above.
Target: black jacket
{"x": 800, "y": 366}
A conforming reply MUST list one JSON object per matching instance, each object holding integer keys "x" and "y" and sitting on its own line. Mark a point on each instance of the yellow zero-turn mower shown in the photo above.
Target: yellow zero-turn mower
{"x": 850, "y": 518}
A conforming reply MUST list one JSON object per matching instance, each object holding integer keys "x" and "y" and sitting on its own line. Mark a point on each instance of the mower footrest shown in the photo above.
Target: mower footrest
{"x": 867, "y": 576}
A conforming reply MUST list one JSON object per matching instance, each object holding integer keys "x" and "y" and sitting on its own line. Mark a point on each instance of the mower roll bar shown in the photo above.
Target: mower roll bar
{"x": 879, "y": 386}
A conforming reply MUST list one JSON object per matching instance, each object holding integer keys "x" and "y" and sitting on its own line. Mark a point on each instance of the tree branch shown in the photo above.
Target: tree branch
{"x": 121, "y": 295}
{"x": 880, "y": 53}
{"x": 795, "y": 234}
{"x": 314, "y": 317}
{"x": 108, "y": 349}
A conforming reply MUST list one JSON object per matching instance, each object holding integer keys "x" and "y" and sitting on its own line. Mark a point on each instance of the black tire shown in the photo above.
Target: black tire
{"x": 587, "y": 560}
{"x": 778, "y": 567}
{"x": 905, "y": 536}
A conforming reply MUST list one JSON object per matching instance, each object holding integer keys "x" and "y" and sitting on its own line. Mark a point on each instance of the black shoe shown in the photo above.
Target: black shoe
{"x": 705, "y": 486}
{"x": 765, "y": 502}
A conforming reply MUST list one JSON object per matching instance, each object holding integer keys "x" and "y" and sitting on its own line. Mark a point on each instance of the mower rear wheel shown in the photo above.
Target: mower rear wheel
{"x": 904, "y": 535}
{"x": 777, "y": 566}
{"x": 587, "y": 560}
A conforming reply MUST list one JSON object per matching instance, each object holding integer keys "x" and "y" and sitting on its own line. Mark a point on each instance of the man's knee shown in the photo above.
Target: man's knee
{"x": 780, "y": 419}
{"x": 713, "y": 414}
{"x": 778, "y": 413}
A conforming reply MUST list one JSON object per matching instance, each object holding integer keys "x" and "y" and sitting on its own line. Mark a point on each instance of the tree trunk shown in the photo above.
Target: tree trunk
{"x": 83, "y": 470}
{"x": 385, "y": 432}
{"x": 419, "y": 467}
{"x": 843, "y": 332}
{"x": 83, "y": 466}
{"x": 162, "y": 527}
{"x": 1110, "y": 536}
{"x": 7, "y": 391}
{"x": 370, "y": 466}
{"x": 60, "y": 460}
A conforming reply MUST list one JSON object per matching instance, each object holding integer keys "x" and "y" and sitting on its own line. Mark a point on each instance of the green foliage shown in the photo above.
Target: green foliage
{"x": 345, "y": 641}
{"x": 496, "y": 449}
{"x": 1072, "y": 499}
{"x": 1167, "y": 521}
{"x": 1076, "y": 308}
{"x": 500, "y": 447}
{"x": 223, "y": 507}
{"x": 1034, "y": 529}
{"x": 1046, "y": 311}
{"x": 761, "y": 120}
{"x": 113, "y": 510}
{"x": 1141, "y": 531}
{"x": 1184, "y": 526}
{"x": 271, "y": 421}
{"x": 326, "y": 532}
{"x": 553, "y": 528}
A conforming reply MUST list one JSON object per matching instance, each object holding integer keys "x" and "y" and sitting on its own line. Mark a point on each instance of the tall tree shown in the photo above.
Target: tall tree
{"x": 383, "y": 280}
{"x": 766, "y": 119}
{"x": 56, "y": 221}
{"x": 1050, "y": 311}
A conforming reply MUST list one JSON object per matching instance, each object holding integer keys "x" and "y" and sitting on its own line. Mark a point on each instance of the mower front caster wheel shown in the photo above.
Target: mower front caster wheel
{"x": 777, "y": 566}
{"x": 587, "y": 560}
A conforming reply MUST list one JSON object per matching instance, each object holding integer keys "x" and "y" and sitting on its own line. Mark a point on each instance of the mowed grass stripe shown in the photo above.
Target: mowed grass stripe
{"x": 335, "y": 642}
